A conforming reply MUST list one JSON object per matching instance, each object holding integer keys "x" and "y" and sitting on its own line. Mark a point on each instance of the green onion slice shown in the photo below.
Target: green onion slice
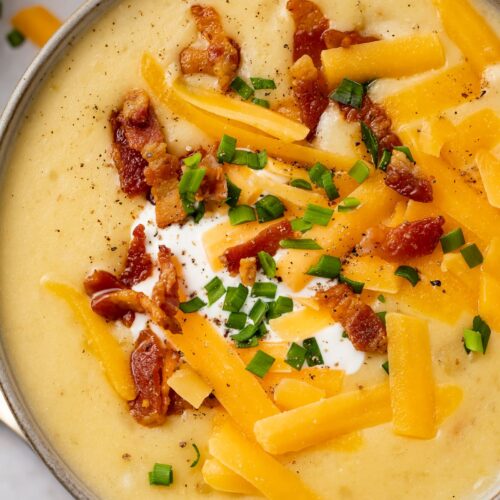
{"x": 241, "y": 214}
{"x": 268, "y": 264}
{"x": 233, "y": 193}
{"x": 245, "y": 334}
{"x": 370, "y": 140}
{"x": 472, "y": 255}
{"x": 260, "y": 364}
{"x": 385, "y": 366}
{"x": 316, "y": 172}
{"x": 264, "y": 289}
{"x": 192, "y": 161}
{"x": 381, "y": 298}
{"x": 262, "y": 156}
{"x": 301, "y": 225}
{"x": 453, "y": 240}
{"x": 262, "y": 83}
{"x": 191, "y": 180}
{"x": 236, "y": 320}
{"x": 408, "y": 273}
{"x": 313, "y": 352}
{"x": 296, "y": 356}
{"x": 348, "y": 204}
{"x": 356, "y": 286}
{"x": 188, "y": 203}
{"x": 242, "y": 88}
{"x": 301, "y": 184}
{"x": 246, "y": 344}
{"x": 479, "y": 325}
{"x": 215, "y": 290}
{"x": 15, "y": 38}
{"x": 349, "y": 92}
{"x": 161, "y": 475}
{"x": 281, "y": 306}
{"x": 198, "y": 456}
{"x": 359, "y": 171}
{"x": 199, "y": 212}
{"x": 191, "y": 306}
{"x": 235, "y": 298}
{"x": 385, "y": 159}
{"x": 327, "y": 267}
{"x": 304, "y": 244}
{"x": 473, "y": 341}
{"x": 261, "y": 102}
{"x": 269, "y": 208}
{"x": 258, "y": 312}
{"x": 226, "y": 149}
{"x": 318, "y": 215}
{"x": 382, "y": 315}
{"x": 329, "y": 186}
{"x": 406, "y": 151}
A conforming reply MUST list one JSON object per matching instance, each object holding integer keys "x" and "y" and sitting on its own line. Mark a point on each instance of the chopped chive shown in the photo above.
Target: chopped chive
{"x": 192, "y": 161}
{"x": 262, "y": 330}
{"x": 385, "y": 366}
{"x": 269, "y": 208}
{"x": 479, "y": 325}
{"x": 199, "y": 212}
{"x": 258, "y": 312}
{"x": 226, "y": 149}
{"x": 344, "y": 335}
{"x": 327, "y": 267}
{"x": 304, "y": 244}
{"x": 241, "y": 214}
{"x": 329, "y": 186}
{"x": 301, "y": 184}
{"x": 233, "y": 193}
{"x": 268, "y": 264}
{"x": 318, "y": 215}
{"x": 356, "y": 286}
{"x": 381, "y": 298}
{"x": 262, "y": 156}
{"x": 349, "y": 92}
{"x": 296, "y": 356}
{"x": 191, "y": 306}
{"x": 452, "y": 241}
{"x": 245, "y": 333}
{"x": 348, "y": 204}
{"x": 198, "y": 456}
{"x": 15, "y": 38}
{"x": 261, "y": 102}
{"x": 215, "y": 290}
{"x": 248, "y": 158}
{"x": 473, "y": 341}
{"x": 235, "y": 298}
{"x": 242, "y": 88}
{"x": 262, "y": 83}
{"x": 359, "y": 171}
{"x": 406, "y": 151}
{"x": 316, "y": 172}
{"x": 313, "y": 352}
{"x": 409, "y": 273}
{"x": 280, "y": 306}
{"x": 385, "y": 159}
{"x": 191, "y": 180}
{"x": 188, "y": 203}
{"x": 260, "y": 364}
{"x": 236, "y": 320}
{"x": 246, "y": 344}
{"x": 472, "y": 255}
{"x": 301, "y": 225}
{"x": 264, "y": 289}
{"x": 161, "y": 475}
{"x": 382, "y": 315}
{"x": 370, "y": 140}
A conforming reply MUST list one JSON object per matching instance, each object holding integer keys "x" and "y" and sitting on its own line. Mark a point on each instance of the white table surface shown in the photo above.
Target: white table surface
{"x": 23, "y": 476}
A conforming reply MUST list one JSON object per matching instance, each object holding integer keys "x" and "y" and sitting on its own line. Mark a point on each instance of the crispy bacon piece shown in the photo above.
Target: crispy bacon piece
{"x": 310, "y": 24}
{"x": 222, "y": 56}
{"x": 267, "y": 240}
{"x": 248, "y": 270}
{"x": 166, "y": 291}
{"x": 401, "y": 176}
{"x": 139, "y": 265}
{"x": 406, "y": 241}
{"x": 134, "y": 127}
{"x": 151, "y": 363}
{"x": 364, "y": 328}
{"x": 334, "y": 38}
{"x": 310, "y": 92}
{"x": 100, "y": 281}
{"x": 214, "y": 185}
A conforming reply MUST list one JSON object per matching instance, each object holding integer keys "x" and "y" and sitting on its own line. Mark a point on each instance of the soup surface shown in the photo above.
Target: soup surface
{"x": 63, "y": 214}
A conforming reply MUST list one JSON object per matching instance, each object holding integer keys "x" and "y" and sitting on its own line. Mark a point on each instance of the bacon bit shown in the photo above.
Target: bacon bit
{"x": 221, "y": 58}
{"x": 134, "y": 127}
{"x": 406, "y": 241}
{"x": 147, "y": 364}
{"x": 289, "y": 107}
{"x": 138, "y": 266}
{"x": 310, "y": 92}
{"x": 178, "y": 405}
{"x": 162, "y": 174}
{"x": 166, "y": 291}
{"x": 248, "y": 270}
{"x": 267, "y": 240}
{"x": 310, "y": 23}
{"x": 364, "y": 328}
{"x": 100, "y": 281}
{"x": 334, "y": 38}
{"x": 401, "y": 176}
{"x": 214, "y": 185}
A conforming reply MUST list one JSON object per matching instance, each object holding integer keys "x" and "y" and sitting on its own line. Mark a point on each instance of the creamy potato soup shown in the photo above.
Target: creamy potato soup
{"x": 252, "y": 248}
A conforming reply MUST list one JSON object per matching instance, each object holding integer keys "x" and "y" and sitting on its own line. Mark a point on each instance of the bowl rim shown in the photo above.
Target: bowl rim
{"x": 25, "y": 91}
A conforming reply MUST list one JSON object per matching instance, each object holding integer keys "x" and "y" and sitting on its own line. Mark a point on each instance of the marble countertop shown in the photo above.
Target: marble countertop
{"x": 22, "y": 474}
